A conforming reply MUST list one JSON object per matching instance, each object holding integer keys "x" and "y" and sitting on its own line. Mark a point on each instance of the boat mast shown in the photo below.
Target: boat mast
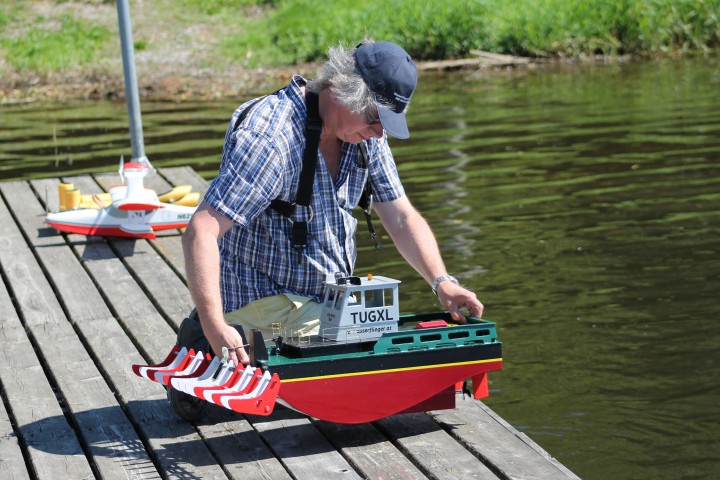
{"x": 131, "y": 87}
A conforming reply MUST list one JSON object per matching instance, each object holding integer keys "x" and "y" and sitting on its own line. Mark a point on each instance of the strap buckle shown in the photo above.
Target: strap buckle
{"x": 299, "y": 239}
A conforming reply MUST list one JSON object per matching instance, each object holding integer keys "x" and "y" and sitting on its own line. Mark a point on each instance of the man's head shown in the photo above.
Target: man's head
{"x": 391, "y": 75}
{"x": 375, "y": 79}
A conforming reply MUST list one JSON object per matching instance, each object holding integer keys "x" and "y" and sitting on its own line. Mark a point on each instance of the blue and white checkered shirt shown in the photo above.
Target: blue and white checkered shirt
{"x": 262, "y": 161}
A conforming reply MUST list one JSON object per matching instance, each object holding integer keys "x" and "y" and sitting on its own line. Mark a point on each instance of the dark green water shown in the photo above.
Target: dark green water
{"x": 582, "y": 204}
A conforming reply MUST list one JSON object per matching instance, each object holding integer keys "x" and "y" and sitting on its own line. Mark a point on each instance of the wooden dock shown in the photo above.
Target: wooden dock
{"x": 76, "y": 312}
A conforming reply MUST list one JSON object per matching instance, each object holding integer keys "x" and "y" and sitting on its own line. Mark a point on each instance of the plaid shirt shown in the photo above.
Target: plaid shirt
{"x": 262, "y": 161}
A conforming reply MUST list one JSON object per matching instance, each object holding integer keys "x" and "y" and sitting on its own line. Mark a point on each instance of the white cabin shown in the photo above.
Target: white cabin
{"x": 358, "y": 309}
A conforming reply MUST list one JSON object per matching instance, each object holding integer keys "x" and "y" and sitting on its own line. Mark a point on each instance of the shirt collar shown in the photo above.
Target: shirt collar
{"x": 295, "y": 92}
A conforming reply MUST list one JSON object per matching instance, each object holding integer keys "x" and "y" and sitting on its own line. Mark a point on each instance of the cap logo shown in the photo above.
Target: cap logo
{"x": 401, "y": 98}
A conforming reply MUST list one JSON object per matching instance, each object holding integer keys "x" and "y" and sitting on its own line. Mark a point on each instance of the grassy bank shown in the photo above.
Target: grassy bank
{"x": 188, "y": 46}
{"x": 299, "y": 30}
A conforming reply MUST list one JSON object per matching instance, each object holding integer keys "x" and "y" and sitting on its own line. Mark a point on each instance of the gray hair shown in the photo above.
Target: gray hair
{"x": 340, "y": 74}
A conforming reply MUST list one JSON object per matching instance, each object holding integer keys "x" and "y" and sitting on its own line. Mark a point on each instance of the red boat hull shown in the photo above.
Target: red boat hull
{"x": 368, "y": 396}
{"x": 113, "y": 231}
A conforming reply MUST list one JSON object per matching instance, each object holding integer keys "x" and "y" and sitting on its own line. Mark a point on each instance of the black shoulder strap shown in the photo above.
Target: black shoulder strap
{"x": 245, "y": 112}
{"x": 303, "y": 196}
{"x": 313, "y": 128}
{"x": 366, "y": 198}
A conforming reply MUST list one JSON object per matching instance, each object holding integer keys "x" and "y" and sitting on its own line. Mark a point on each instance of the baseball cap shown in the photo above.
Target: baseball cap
{"x": 391, "y": 75}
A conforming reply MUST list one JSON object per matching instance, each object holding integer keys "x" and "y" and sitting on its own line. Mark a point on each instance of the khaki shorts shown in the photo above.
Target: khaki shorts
{"x": 285, "y": 314}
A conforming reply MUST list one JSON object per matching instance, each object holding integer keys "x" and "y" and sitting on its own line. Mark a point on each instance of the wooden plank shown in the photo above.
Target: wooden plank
{"x": 159, "y": 280}
{"x": 369, "y": 451}
{"x": 175, "y": 443}
{"x": 53, "y": 448}
{"x": 170, "y": 442}
{"x": 149, "y": 331}
{"x": 99, "y": 418}
{"x": 185, "y": 176}
{"x": 171, "y": 250}
{"x": 436, "y": 453}
{"x": 12, "y": 463}
{"x": 304, "y": 451}
{"x": 50, "y": 441}
{"x": 236, "y": 443}
{"x": 516, "y": 457}
{"x": 237, "y": 448}
{"x": 168, "y": 247}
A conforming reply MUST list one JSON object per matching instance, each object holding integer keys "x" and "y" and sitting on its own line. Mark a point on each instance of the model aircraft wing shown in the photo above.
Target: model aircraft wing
{"x": 129, "y": 204}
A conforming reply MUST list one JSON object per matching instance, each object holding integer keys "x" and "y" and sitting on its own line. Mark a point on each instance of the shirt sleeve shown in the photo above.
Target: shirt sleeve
{"x": 250, "y": 177}
{"x": 384, "y": 177}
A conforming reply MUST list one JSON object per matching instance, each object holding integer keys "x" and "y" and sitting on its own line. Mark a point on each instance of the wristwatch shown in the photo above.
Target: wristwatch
{"x": 441, "y": 279}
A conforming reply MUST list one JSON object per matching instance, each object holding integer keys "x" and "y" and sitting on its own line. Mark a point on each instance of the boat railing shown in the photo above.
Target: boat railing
{"x": 435, "y": 338}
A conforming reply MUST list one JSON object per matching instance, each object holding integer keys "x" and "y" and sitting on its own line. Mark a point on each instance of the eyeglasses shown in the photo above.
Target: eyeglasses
{"x": 371, "y": 118}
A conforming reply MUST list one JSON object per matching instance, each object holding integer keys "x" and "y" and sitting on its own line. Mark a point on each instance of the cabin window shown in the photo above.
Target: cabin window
{"x": 354, "y": 299}
{"x": 378, "y": 298}
{"x": 330, "y": 297}
{"x": 373, "y": 298}
{"x": 339, "y": 300}
{"x": 389, "y": 297}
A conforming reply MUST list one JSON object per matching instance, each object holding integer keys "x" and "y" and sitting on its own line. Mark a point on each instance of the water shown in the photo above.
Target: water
{"x": 581, "y": 203}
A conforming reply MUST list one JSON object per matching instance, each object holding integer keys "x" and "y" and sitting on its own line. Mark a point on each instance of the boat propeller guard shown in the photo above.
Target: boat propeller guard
{"x": 241, "y": 389}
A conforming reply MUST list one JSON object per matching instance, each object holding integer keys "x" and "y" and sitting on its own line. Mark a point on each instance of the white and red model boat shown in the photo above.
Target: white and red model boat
{"x": 368, "y": 362}
{"x": 132, "y": 210}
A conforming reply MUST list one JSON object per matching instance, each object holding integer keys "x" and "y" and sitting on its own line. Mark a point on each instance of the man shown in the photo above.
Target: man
{"x": 245, "y": 262}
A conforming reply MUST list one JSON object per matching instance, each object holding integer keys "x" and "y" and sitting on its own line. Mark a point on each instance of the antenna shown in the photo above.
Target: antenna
{"x": 57, "y": 162}
{"x": 121, "y": 169}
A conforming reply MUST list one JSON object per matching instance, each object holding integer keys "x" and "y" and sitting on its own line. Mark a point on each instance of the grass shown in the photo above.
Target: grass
{"x": 72, "y": 43}
{"x": 259, "y": 33}
{"x": 300, "y": 30}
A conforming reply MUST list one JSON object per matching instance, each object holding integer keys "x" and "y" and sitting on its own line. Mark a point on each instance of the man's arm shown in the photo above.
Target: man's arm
{"x": 416, "y": 242}
{"x": 202, "y": 268}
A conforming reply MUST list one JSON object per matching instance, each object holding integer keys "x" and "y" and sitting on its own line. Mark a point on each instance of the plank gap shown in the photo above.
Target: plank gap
{"x": 22, "y": 442}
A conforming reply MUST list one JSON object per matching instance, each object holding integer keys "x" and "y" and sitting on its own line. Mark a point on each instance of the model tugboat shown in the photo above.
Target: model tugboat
{"x": 367, "y": 361}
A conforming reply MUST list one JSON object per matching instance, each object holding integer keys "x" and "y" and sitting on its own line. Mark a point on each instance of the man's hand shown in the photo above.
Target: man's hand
{"x": 227, "y": 336}
{"x": 453, "y": 297}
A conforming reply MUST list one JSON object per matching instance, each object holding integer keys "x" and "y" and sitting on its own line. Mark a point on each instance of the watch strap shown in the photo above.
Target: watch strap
{"x": 441, "y": 279}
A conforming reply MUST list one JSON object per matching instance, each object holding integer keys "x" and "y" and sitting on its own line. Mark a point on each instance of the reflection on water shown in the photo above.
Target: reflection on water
{"x": 582, "y": 204}
{"x": 63, "y": 139}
